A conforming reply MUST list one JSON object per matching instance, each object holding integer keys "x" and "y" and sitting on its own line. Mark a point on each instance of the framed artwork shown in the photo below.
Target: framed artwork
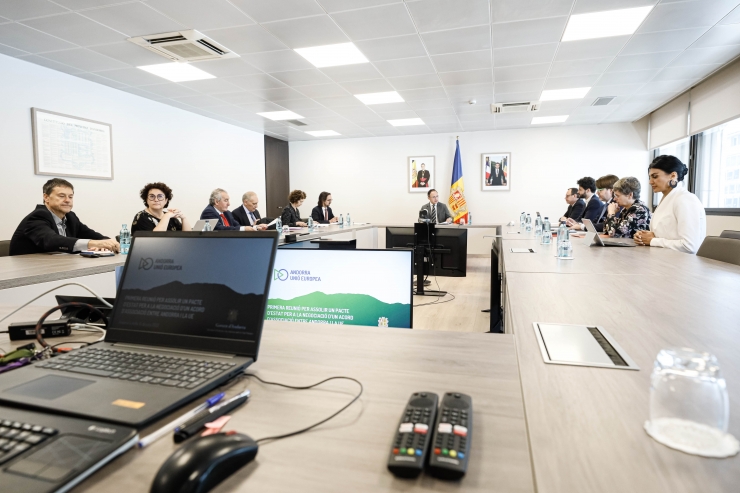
{"x": 421, "y": 173}
{"x": 496, "y": 171}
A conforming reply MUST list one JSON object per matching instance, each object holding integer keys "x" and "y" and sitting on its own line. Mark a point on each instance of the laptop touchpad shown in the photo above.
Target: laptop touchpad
{"x": 50, "y": 387}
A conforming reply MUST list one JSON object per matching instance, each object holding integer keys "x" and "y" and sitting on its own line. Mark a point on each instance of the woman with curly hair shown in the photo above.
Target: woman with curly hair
{"x": 634, "y": 215}
{"x": 156, "y": 216}
{"x": 291, "y": 217}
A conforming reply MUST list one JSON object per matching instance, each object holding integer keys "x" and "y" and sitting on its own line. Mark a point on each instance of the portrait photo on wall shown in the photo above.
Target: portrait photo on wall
{"x": 496, "y": 170}
{"x": 421, "y": 173}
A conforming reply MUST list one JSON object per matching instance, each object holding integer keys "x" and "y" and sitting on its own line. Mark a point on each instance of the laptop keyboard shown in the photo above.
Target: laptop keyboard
{"x": 154, "y": 369}
{"x": 17, "y": 437}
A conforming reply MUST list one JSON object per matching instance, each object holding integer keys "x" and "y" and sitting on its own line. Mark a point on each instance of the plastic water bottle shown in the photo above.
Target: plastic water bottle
{"x": 562, "y": 232}
{"x": 341, "y": 221}
{"x": 286, "y": 229}
{"x": 537, "y": 226}
{"x": 470, "y": 221}
{"x": 125, "y": 240}
{"x": 207, "y": 226}
{"x": 565, "y": 249}
{"x": 279, "y": 226}
{"x": 546, "y": 233}
{"x": 310, "y": 225}
{"x": 349, "y": 221}
{"x": 528, "y": 223}
{"x": 522, "y": 221}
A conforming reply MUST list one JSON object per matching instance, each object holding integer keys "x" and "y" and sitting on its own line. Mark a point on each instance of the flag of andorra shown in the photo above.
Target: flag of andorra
{"x": 458, "y": 206}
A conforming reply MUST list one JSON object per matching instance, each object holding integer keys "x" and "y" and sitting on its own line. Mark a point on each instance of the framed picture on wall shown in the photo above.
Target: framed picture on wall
{"x": 421, "y": 173}
{"x": 496, "y": 171}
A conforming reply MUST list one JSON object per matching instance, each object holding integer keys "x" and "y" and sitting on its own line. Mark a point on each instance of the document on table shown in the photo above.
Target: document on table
{"x": 522, "y": 250}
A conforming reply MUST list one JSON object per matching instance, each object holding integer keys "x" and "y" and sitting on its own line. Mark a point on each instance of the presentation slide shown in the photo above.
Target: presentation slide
{"x": 348, "y": 287}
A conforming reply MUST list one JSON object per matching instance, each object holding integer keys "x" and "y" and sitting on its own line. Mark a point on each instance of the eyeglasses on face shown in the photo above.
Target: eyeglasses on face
{"x": 153, "y": 197}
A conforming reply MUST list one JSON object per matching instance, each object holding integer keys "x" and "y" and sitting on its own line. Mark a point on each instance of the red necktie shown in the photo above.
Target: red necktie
{"x": 326, "y": 215}
{"x": 223, "y": 218}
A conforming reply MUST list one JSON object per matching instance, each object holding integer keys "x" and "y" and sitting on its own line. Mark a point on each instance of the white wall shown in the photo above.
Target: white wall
{"x": 192, "y": 154}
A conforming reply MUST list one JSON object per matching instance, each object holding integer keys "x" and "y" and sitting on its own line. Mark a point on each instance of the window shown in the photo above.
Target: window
{"x": 718, "y": 166}
{"x": 680, "y": 149}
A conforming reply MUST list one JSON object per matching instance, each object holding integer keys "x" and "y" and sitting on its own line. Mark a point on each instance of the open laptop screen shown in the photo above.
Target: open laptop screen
{"x": 195, "y": 285}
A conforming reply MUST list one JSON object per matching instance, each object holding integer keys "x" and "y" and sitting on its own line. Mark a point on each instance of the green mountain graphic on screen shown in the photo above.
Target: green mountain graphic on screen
{"x": 364, "y": 310}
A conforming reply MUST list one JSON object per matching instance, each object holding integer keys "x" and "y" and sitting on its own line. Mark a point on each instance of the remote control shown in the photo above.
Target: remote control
{"x": 411, "y": 443}
{"x": 452, "y": 433}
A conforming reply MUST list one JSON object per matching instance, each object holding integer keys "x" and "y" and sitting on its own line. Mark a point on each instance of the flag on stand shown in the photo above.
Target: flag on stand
{"x": 458, "y": 206}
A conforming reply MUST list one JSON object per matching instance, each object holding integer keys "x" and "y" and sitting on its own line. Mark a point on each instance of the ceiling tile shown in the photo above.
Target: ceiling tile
{"x": 681, "y": 15}
{"x": 377, "y": 22}
{"x": 414, "y": 82}
{"x": 613, "y": 90}
{"x": 24, "y": 9}
{"x": 255, "y": 81}
{"x": 86, "y": 60}
{"x": 437, "y": 113}
{"x": 339, "y": 101}
{"x": 588, "y": 66}
{"x": 212, "y": 86}
{"x": 458, "y": 40}
{"x": 279, "y": 93}
{"x": 392, "y": 48}
{"x": 367, "y": 86}
{"x": 139, "y": 92}
{"x": 733, "y": 17}
{"x": 132, "y": 77}
{"x": 683, "y": 72}
{"x": 719, "y": 36}
{"x": 396, "y": 115}
{"x": 430, "y": 104}
{"x": 100, "y": 80}
{"x": 662, "y": 41}
{"x": 633, "y": 77}
{"x": 323, "y": 91}
{"x": 519, "y": 86}
{"x": 271, "y": 10}
{"x": 340, "y": 5}
{"x": 704, "y": 56}
{"x": 308, "y": 31}
{"x": 169, "y": 90}
{"x": 521, "y": 72}
{"x": 299, "y": 104}
{"x": 513, "y": 97}
{"x": 462, "y": 61}
{"x": 570, "y": 82}
{"x": 199, "y": 100}
{"x": 27, "y": 39}
{"x": 277, "y": 61}
{"x": 436, "y": 15}
{"x": 7, "y": 50}
{"x": 463, "y": 93}
{"x": 75, "y": 29}
{"x": 445, "y": 128}
{"x": 591, "y": 48}
{"x": 531, "y": 32}
{"x": 519, "y": 10}
{"x": 642, "y": 62}
{"x": 358, "y": 114}
{"x": 558, "y": 106}
{"x": 405, "y": 66}
{"x": 347, "y": 73}
{"x": 524, "y": 55}
{"x": 45, "y": 62}
{"x": 666, "y": 86}
{"x": 227, "y": 67}
{"x": 308, "y": 112}
{"x": 424, "y": 93}
{"x": 133, "y": 19}
{"x": 242, "y": 97}
{"x": 306, "y": 77}
{"x": 246, "y": 39}
{"x": 129, "y": 53}
{"x": 201, "y": 15}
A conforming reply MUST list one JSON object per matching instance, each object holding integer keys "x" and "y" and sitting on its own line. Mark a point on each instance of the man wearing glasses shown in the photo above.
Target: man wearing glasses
{"x": 53, "y": 227}
{"x": 158, "y": 216}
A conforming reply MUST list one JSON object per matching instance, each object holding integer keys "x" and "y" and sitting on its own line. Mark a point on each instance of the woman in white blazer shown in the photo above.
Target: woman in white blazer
{"x": 679, "y": 222}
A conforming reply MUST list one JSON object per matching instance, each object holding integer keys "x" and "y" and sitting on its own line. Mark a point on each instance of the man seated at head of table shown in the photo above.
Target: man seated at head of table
{"x": 248, "y": 215}
{"x": 218, "y": 208}
{"x": 156, "y": 197}
{"x": 604, "y": 186}
{"x": 634, "y": 215}
{"x": 437, "y": 212}
{"x": 53, "y": 227}
{"x": 291, "y": 217}
{"x": 576, "y": 206}
{"x": 679, "y": 221}
{"x": 322, "y": 213}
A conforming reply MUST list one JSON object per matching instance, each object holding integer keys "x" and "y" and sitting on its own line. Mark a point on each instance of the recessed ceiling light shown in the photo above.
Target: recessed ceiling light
{"x": 558, "y": 94}
{"x": 177, "y": 72}
{"x": 539, "y": 120}
{"x": 405, "y": 122}
{"x": 281, "y": 115}
{"x": 333, "y": 55}
{"x": 605, "y": 24}
{"x": 322, "y": 133}
{"x": 380, "y": 97}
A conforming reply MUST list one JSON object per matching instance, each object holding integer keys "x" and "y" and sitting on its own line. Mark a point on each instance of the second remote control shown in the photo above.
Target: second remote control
{"x": 410, "y": 447}
{"x": 451, "y": 442}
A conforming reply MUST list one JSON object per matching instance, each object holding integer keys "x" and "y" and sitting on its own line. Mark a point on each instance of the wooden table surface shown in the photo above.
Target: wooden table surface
{"x": 22, "y": 270}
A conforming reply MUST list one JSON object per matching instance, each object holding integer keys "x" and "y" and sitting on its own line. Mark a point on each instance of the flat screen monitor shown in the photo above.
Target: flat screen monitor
{"x": 448, "y": 264}
{"x": 347, "y": 287}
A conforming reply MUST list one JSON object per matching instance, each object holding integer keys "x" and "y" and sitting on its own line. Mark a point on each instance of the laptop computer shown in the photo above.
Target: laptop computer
{"x": 188, "y": 316}
{"x": 201, "y": 223}
{"x": 599, "y": 241}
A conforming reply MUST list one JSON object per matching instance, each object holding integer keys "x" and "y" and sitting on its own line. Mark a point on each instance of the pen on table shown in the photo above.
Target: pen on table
{"x": 172, "y": 425}
{"x": 197, "y": 422}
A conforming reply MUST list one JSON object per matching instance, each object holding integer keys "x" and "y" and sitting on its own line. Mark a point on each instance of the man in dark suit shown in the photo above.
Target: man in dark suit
{"x": 594, "y": 206}
{"x": 322, "y": 213}
{"x": 437, "y": 212}
{"x": 422, "y": 177}
{"x": 218, "y": 208}
{"x": 497, "y": 178}
{"x": 53, "y": 227}
{"x": 576, "y": 205}
{"x": 248, "y": 215}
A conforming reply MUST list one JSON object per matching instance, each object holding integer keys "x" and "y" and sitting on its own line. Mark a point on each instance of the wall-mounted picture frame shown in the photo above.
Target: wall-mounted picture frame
{"x": 496, "y": 171}
{"x": 421, "y": 173}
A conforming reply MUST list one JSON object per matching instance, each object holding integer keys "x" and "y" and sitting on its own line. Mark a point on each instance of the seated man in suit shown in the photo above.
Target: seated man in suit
{"x": 576, "y": 205}
{"x": 587, "y": 191}
{"x": 218, "y": 208}
{"x": 53, "y": 227}
{"x": 322, "y": 213}
{"x": 437, "y": 212}
{"x": 604, "y": 189}
{"x": 248, "y": 215}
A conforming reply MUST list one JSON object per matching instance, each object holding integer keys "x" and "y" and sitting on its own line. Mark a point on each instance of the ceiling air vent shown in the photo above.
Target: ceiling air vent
{"x": 603, "y": 101}
{"x": 521, "y": 107}
{"x": 297, "y": 123}
{"x": 184, "y": 46}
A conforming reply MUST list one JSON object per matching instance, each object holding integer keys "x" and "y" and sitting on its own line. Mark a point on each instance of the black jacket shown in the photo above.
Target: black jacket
{"x": 210, "y": 212}
{"x": 594, "y": 209}
{"x": 38, "y": 233}
{"x": 576, "y": 210}
{"x": 317, "y": 214}
{"x": 291, "y": 216}
{"x": 240, "y": 214}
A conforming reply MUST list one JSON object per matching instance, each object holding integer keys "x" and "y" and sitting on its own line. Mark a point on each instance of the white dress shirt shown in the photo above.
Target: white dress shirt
{"x": 679, "y": 222}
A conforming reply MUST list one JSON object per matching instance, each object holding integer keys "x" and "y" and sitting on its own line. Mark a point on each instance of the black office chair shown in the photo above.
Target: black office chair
{"x": 722, "y": 249}
{"x": 728, "y": 233}
{"x": 5, "y": 248}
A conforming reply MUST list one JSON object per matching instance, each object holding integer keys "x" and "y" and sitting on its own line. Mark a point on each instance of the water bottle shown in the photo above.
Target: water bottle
{"x": 310, "y": 225}
{"x": 470, "y": 221}
{"x": 528, "y": 223}
{"x": 125, "y": 240}
{"x": 341, "y": 221}
{"x": 562, "y": 232}
{"x": 565, "y": 249}
{"x": 207, "y": 226}
{"x": 522, "y": 220}
{"x": 537, "y": 226}
{"x": 279, "y": 226}
{"x": 349, "y": 221}
{"x": 546, "y": 233}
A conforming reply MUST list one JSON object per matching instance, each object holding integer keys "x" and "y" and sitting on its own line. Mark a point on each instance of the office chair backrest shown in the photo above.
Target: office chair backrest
{"x": 722, "y": 249}
{"x": 728, "y": 233}
{"x": 4, "y": 248}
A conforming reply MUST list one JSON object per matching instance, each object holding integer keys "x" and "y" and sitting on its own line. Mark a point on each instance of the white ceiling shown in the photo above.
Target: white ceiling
{"x": 438, "y": 54}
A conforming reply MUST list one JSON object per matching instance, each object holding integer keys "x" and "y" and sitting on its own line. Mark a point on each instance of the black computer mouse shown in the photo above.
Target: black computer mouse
{"x": 203, "y": 462}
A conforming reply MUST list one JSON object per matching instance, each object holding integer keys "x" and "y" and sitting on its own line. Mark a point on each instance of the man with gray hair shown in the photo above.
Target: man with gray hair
{"x": 248, "y": 215}
{"x": 218, "y": 208}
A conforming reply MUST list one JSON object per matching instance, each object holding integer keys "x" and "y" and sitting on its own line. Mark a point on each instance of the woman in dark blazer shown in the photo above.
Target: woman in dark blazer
{"x": 291, "y": 217}
{"x": 320, "y": 215}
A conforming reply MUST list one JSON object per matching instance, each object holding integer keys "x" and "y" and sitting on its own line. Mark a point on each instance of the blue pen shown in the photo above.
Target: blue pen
{"x": 174, "y": 425}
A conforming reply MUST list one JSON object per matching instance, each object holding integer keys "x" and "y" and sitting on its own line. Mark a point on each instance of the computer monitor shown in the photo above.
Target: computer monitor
{"x": 347, "y": 287}
{"x": 451, "y": 264}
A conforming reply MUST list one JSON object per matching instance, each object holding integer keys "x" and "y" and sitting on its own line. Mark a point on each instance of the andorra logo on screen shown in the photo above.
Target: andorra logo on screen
{"x": 294, "y": 275}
